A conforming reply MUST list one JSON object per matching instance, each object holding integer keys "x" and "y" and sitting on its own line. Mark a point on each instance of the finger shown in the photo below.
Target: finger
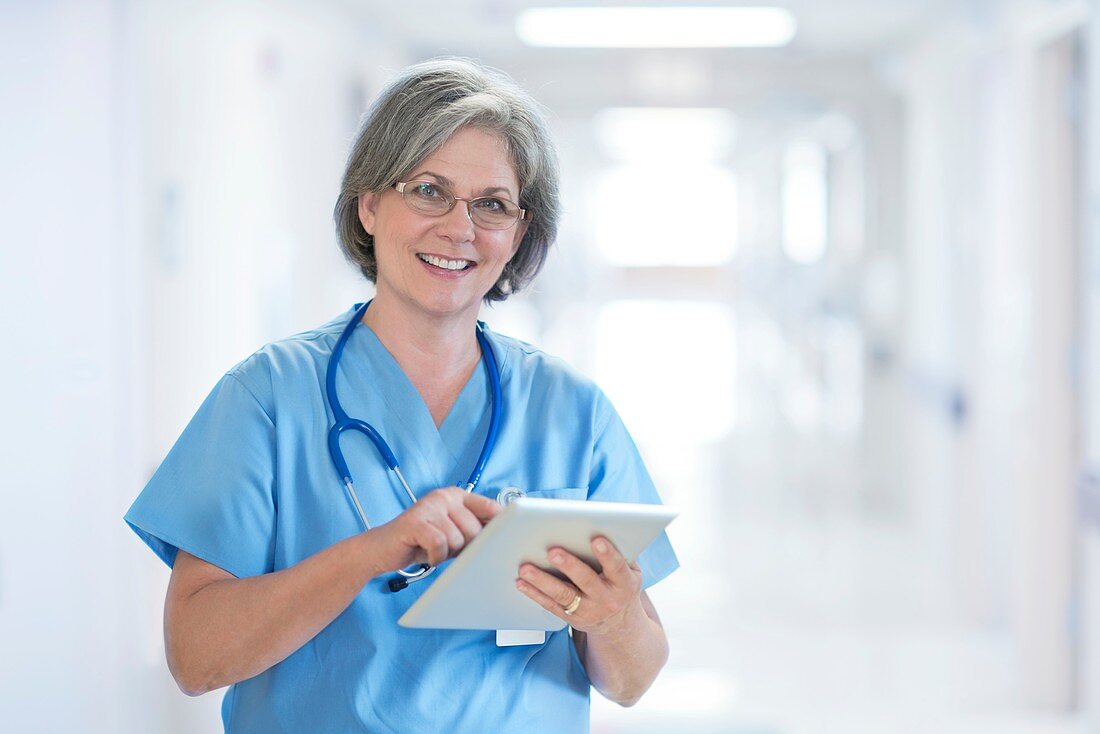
{"x": 548, "y": 584}
{"x": 466, "y": 521}
{"x": 444, "y": 499}
{"x": 434, "y": 542}
{"x": 583, "y": 576}
{"x": 615, "y": 567}
{"x": 544, "y": 601}
{"x": 455, "y": 539}
{"x": 483, "y": 508}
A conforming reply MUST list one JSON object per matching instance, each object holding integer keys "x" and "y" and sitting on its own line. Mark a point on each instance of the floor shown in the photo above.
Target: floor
{"x": 796, "y": 613}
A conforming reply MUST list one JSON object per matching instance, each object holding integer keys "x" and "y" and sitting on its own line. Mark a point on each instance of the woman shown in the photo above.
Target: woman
{"x": 278, "y": 588}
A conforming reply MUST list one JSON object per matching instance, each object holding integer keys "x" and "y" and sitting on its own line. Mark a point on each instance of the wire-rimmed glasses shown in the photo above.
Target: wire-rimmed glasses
{"x": 489, "y": 212}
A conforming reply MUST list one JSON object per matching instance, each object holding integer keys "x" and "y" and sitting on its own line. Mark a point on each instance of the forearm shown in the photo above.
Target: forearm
{"x": 622, "y": 662}
{"x": 232, "y": 629}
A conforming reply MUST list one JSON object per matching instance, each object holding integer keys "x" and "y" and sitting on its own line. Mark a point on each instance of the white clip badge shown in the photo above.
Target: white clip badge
{"x": 511, "y": 638}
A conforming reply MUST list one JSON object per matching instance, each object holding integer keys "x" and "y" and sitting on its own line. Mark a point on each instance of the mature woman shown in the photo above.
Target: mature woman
{"x": 280, "y": 574}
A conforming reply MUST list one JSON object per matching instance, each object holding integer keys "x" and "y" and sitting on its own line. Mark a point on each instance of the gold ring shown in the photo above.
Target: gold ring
{"x": 573, "y": 605}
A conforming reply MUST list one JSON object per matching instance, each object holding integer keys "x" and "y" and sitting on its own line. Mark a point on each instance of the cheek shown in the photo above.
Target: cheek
{"x": 386, "y": 253}
{"x": 505, "y": 249}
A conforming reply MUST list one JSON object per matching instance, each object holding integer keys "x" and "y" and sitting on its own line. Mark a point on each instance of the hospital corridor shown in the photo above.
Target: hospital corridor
{"x": 837, "y": 270}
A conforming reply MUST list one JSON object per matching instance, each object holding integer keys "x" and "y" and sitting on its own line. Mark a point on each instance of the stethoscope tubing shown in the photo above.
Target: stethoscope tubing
{"x": 342, "y": 422}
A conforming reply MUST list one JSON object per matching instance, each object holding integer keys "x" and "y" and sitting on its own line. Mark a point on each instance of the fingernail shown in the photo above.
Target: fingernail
{"x": 601, "y": 546}
{"x": 557, "y": 557}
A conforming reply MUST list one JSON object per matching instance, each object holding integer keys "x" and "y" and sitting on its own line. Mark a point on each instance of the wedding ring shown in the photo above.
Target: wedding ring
{"x": 573, "y": 605}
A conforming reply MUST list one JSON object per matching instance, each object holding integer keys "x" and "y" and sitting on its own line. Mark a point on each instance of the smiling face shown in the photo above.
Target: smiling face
{"x": 444, "y": 265}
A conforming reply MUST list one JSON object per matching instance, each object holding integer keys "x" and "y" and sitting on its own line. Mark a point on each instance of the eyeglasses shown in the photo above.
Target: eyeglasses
{"x": 490, "y": 212}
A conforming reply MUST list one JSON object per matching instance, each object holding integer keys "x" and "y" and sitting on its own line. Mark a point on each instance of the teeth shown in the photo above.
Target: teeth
{"x": 445, "y": 264}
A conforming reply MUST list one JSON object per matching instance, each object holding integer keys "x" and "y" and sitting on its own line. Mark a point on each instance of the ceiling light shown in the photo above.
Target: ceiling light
{"x": 675, "y": 27}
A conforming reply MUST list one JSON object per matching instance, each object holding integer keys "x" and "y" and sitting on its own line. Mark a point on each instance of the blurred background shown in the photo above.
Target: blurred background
{"x": 842, "y": 282}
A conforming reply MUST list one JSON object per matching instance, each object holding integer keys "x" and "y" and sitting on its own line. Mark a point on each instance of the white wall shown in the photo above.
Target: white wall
{"x": 990, "y": 303}
{"x": 169, "y": 171}
{"x": 71, "y": 316}
{"x": 1088, "y": 569}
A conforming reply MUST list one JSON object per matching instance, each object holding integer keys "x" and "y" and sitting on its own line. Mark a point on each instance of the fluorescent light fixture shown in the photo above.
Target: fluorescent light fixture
{"x": 680, "y": 133}
{"x": 672, "y": 27}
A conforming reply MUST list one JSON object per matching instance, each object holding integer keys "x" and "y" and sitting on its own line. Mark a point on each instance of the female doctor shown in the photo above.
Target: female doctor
{"x": 281, "y": 569}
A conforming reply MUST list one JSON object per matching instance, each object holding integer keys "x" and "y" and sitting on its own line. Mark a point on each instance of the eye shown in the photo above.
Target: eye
{"x": 489, "y": 204}
{"x": 427, "y": 191}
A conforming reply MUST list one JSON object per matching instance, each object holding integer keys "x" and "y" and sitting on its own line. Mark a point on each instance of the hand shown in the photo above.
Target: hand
{"x": 608, "y": 599}
{"x": 436, "y": 527}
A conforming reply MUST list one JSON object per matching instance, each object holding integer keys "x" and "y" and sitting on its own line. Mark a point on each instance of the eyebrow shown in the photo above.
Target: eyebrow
{"x": 448, "y": 182}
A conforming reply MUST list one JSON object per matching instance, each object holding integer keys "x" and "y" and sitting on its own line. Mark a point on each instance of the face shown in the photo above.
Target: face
{"x": 471, "y": 163}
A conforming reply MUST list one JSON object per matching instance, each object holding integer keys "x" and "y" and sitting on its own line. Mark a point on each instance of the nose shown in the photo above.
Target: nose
{"x": 456, "y": 224}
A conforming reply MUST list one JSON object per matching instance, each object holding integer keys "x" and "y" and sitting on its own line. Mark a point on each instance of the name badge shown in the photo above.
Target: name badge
{"x": 511, "y": 638}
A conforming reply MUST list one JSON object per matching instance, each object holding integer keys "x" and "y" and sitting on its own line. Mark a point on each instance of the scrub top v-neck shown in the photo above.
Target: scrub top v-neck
{"x": 250, "y": 488}
{"x": 441, "y": 450}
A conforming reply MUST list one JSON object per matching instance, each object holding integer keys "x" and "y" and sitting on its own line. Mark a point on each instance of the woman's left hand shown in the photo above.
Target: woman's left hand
{"x": 607, "y": 599}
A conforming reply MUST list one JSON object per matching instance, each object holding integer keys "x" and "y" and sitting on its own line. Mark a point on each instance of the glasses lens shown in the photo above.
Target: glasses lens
{"x": 424, "y": 196}
{"x": 493, "y": 213}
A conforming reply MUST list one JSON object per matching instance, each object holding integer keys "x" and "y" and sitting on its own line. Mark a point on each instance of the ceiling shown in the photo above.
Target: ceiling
{"x": 844, "y": 57}
{"x": 825, "y": 27}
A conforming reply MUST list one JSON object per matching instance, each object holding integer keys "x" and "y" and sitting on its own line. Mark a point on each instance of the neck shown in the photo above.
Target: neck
{"x": 424, "y": 344}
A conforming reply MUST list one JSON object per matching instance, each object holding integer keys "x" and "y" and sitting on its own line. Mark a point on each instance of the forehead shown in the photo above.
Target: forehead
{"x": 473, "y": 159}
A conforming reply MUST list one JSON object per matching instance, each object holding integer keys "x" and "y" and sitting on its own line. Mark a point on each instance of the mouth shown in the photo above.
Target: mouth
{"x": 445, "y": 264}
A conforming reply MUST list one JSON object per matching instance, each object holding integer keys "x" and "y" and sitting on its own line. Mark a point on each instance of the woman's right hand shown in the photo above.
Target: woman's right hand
{"x": 220, "y": 629}
{"x": 435, "y": 528}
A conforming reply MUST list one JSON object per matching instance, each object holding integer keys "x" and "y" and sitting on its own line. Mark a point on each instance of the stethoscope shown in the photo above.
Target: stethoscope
{"x": 343, "y": 423}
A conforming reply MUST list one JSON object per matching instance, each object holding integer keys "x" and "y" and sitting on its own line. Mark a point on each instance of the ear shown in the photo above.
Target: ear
{"x": 368, "y": 208}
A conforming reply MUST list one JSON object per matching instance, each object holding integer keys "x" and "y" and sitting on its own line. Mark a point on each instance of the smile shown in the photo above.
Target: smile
{"x": 440, "y": 262}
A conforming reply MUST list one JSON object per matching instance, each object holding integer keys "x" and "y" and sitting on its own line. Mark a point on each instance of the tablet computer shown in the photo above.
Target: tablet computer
{"x": 477, "y": 591}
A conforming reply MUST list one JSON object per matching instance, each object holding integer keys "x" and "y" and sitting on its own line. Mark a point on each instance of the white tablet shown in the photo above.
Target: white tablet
{"x": 478, "y": 589}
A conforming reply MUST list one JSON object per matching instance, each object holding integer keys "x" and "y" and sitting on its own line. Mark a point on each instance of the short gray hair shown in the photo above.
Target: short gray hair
{"x": 414, "y": 115}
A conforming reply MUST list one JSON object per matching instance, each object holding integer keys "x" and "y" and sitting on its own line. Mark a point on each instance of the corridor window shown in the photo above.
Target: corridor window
{"x": 667, "y": 199}
{"x": 663, "y": 215}
{"x": 805, "y": 201}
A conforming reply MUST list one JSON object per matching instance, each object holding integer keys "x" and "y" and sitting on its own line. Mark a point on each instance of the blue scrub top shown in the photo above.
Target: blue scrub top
{"x": 250, "y": 488}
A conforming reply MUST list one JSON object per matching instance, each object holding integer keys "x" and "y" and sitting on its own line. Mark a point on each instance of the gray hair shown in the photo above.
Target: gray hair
{"x": 414, "y": 115}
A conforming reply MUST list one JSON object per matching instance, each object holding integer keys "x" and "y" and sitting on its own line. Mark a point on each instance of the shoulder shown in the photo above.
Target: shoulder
{"x": 288, "y": 365}
{"x": 549, "y": 380}
{"x": 523, "y": 362}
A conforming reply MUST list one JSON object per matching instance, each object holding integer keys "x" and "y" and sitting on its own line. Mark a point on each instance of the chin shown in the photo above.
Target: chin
{"x": 443, "y": 306}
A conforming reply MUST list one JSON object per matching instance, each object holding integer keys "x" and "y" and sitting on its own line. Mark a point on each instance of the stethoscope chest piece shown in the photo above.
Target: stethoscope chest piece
{"x": 507, "y": 495}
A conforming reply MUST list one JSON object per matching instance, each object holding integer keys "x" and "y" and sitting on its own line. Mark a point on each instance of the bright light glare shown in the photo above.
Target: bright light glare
{"x": 640, "y": 361}
{"x": 666, "y": 215}
{"x": 805, "y": 190}
{"x": 688, "y": 27}
{"x": 643, "y": 133}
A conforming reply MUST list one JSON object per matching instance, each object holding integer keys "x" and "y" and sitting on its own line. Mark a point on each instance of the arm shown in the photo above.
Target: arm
{"x": 623, "y": 662}
{"x": 616, "y": 630}
{"x": 219, "y": 629}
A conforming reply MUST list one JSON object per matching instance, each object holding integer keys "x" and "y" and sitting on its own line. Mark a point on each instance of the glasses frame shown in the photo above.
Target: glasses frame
{"x": 522, "y": 215}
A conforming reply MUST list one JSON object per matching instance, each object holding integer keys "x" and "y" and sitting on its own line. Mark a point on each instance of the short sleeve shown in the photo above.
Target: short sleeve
{"x": 213, "y": 496}
{"x": 618, "y": 474}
